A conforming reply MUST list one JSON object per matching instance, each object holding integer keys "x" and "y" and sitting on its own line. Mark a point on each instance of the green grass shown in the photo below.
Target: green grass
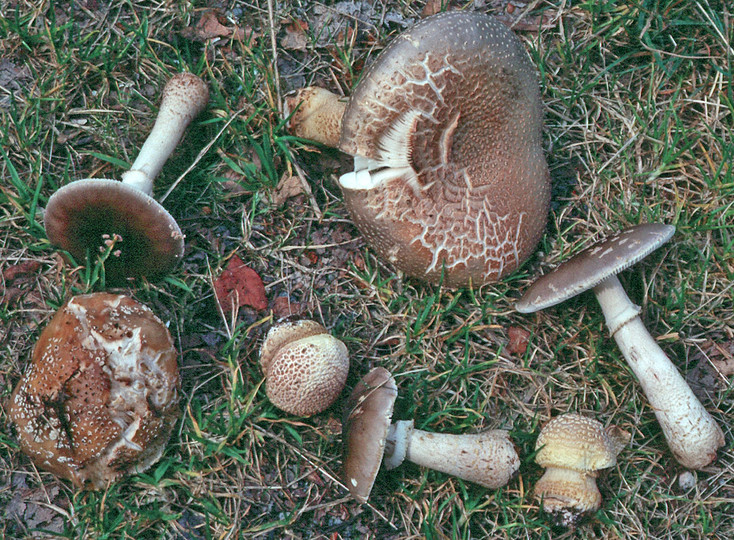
{"x": 639, "y": 126}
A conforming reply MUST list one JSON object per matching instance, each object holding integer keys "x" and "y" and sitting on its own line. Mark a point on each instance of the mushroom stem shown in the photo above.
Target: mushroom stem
{"x": 317, "y": 115}
{"x": 692, "y": 434}
{"x": 184, "y": 97}
{"x": 488, "y": 458}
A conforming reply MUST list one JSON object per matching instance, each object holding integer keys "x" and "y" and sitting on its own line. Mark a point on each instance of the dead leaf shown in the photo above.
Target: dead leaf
{"x": 239, "y": 285}
{"x": 295, "y": 36}
{"x": 722, "y": 357}
{"x": 283, "y": 307}
{"x": 21, "y": 269}
{"x": 212, "y": 24}
{"x": 289, "y": 186}
{"x": 432, "y": 7}
{"x": 519, "y": 338}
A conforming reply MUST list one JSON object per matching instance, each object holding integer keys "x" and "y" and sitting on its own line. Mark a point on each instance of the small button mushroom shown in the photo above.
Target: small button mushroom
{"x": 450, "y": 179}
{"x": 100, "y": 397}
{"x": 692, "y": 434}
{"x": 86, "y": 215}
{"x": 573, "y": 449}
{"x": 488, "y": 458}
{"x": 305, "y": 367}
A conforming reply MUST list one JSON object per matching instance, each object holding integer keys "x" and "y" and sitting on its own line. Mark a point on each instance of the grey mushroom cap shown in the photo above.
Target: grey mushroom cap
{"x": 84, "y": 215}
{"x": 365, "y": 427}
{"x": 593, "y": 265}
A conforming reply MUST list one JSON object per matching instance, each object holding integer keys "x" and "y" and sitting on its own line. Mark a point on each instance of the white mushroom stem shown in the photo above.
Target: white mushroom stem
{"x": 184, "y": 97}
{"x": 691, "y": 432}
{"x": 488, "y": 459}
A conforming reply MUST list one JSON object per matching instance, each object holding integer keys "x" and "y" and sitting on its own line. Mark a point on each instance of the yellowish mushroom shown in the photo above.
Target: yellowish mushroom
{"x": 573, "y": 449}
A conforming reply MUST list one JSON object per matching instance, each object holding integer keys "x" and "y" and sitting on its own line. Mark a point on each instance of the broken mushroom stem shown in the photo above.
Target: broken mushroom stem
{"x": 488, "y": 458}
{"x": 184, "y": 97}
{"x": 692, "y": 434}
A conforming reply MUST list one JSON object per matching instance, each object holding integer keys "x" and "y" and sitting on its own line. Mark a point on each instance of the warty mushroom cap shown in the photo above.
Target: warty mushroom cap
{"x": 445, "y": 127}
{"x": 100, "y": 397}
{"x": 579, "y": 443}
{"x": 365, "y": 425}
{"x": 573, "y": 449}
{"x": 593, "y": 265}
{"x": 305, "y": 367}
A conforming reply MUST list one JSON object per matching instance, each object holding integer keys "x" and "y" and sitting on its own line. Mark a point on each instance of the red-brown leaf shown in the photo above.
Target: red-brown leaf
{"x": 239, "y": 285}
{"x": 519, "y": 338}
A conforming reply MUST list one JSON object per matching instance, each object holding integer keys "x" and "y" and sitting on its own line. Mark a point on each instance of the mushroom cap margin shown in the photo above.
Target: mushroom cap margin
{"x": 593, "y": 265}
{"x": 365, "y": 426}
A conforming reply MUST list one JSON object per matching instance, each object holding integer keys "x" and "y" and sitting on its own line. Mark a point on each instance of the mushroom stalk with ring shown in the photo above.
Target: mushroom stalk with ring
{"x": 481, "y": 458}
{"x": 691, "y": 432}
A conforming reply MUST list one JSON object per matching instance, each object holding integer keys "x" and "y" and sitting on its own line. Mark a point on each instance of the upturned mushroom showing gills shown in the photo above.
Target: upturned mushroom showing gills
{"x": 573, "y": 449}
{"x": 100, "y": 397}
{"x": 450, "y": 179}
{"x": 305, "y": 367}
{"x": 488, "y": 458}
{"x": 692, "y": 434}
{"x": 97, "y": 214}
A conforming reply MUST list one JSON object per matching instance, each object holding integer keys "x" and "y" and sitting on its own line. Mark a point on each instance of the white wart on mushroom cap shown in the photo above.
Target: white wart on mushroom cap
{"x": 86, "y": 216}
{"x": 445, "y": 127}
{"x": 305, "y": 367}
{"x": 100, "y": 397}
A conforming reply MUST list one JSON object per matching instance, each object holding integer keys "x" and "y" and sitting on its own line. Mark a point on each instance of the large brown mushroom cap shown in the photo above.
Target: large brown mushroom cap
{"x": 87, "y": 214}
{"x": 447, "y": 122}
{"x": 100, "y": 397}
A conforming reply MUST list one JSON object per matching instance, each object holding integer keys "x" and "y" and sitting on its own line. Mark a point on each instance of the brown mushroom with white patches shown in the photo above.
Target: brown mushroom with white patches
{"x": 305, "y": 367}
{"x": 488, "y": 458}
{"x": 692, "y": 434}
{"x": 100, "y": 397}
{"x": 96, "y": 214}
{"x": 573, "y": 449}
{"x": 450, "y": 178}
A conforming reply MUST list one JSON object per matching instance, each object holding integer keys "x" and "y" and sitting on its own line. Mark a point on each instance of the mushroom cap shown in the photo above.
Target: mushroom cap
{"x": 81, "y": 216}
{"x": 100, "y": 397}
{"x": 578, "y": 443}
{"x": 593, "y": 265}
{"x": 283, "y": 333}
{"x": 364, "y": 430}
{"x": 305, "y": 368}
{"x": 445, "y": 127}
